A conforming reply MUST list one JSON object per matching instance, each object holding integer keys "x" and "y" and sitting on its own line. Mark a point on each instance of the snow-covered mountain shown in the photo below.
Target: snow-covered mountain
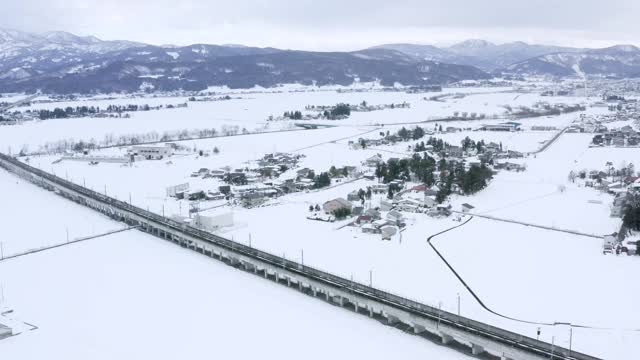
{"x": 17, "y": 43}
{"x": 616, "y": 61}
{"x": 24, "y": 55}
{"x": 63, "y": 62}
{"x": 479, "y": 53}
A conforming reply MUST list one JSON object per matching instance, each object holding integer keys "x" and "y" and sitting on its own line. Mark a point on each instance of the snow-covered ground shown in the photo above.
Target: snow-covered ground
{"x": 253, "y": 109}
{"x": 130, "y": 295}
{"x": 543, "y": 194}
{"x": 517, "y": 270}
{"x": 29, "y": 210}
{"x": 544, "y": 276}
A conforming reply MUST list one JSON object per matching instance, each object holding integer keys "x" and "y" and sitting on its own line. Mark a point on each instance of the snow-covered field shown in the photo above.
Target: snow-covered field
{"x": 28, "y": 210}
{"x": 523, "y": 272}
{"x": 535, "y": 195}
{"x": 130, "y": 296}
{"x": 544, "y": 276}
{"x": 253, "y": 109}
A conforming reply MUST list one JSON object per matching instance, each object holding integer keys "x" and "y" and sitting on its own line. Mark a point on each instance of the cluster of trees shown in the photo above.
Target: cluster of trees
{"x": 423, "y": 169}
{"x": 340, "y": 110}
{"x": 417, "y": 167}
{"x": 438, "y": 144}
{"x": 208, "y": 98}
{"x": 365, "y": 194}
{"x": 59, "y": 113}
{"x": 293, "y": 115}
{"x": 82, "y": 111}
{"x": 468, "y": 181}
{"x": 336, "y": 172}
{"x": 322, "y": 180}
{"x": 415, "y": 134}
{"x": 468, "y": 144}
{"x": 544, "y": 110}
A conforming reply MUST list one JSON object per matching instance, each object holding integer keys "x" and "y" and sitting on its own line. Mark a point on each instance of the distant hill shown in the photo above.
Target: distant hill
{"x": 479, "y": 53}
{"x": 62, "y": 63}
{"x": 622, "y": 61}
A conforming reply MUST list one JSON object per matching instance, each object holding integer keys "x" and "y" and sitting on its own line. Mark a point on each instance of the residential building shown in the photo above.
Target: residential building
{"x": 332, "y": 205}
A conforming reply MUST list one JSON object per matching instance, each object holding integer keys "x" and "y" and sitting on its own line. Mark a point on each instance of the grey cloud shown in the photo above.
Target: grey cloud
{"x": 303, "y": 23}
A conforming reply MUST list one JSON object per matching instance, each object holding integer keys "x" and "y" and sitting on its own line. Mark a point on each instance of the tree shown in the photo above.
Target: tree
{"x": 631, "y": 217}
{"x": 403, "y": 133}
{"x": 310, "y": 208}
{"x": 368, "y": 195}
{"x": 341, "y": 213}
{"x": 216, "y": 150}
{"x": 390, "y": 193}
{"x": 361, "y": 194}
{"x": 322, "y": 180}
{"x": 441, "y": 195}
{"x": 418, "y": 133}
{"x": 317, "y": 207}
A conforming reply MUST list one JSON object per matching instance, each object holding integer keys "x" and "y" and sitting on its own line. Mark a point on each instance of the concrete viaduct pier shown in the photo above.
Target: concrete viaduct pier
{"x": 467, "y": 335}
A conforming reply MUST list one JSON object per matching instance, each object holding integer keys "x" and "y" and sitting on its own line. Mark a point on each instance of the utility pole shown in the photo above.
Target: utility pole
{"x": 249, "y": 239}
{"x": 1, "y": 250}
{"x": 67, "y": 229}
{"x": 570, "y": 339}
{"x": 302, "y": 256}
{"x": 370, "y": 278}
{"x": 130, "y": 199}
{"x": 458, "y": 304}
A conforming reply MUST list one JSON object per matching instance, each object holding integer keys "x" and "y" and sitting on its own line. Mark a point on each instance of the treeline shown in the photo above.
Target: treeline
{"x": 293, "y": 115}
{"x": 544, "y": 110}
{"x": 84, "y": 111}
{"x": 111, "y": 140}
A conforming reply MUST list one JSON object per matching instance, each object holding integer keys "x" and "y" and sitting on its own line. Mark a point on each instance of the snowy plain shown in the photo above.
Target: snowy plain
{"x": 130, "y": 295}
{"x": 407, "y": 267}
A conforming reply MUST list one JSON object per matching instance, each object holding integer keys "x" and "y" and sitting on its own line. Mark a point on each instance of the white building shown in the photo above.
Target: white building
{"x": 173, "y": 191}
{"x": 151, "y": 152}
{"x": 213, "y": 222}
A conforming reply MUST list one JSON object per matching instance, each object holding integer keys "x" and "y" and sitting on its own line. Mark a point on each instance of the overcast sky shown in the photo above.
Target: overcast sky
{"x": 333, "y": 24}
